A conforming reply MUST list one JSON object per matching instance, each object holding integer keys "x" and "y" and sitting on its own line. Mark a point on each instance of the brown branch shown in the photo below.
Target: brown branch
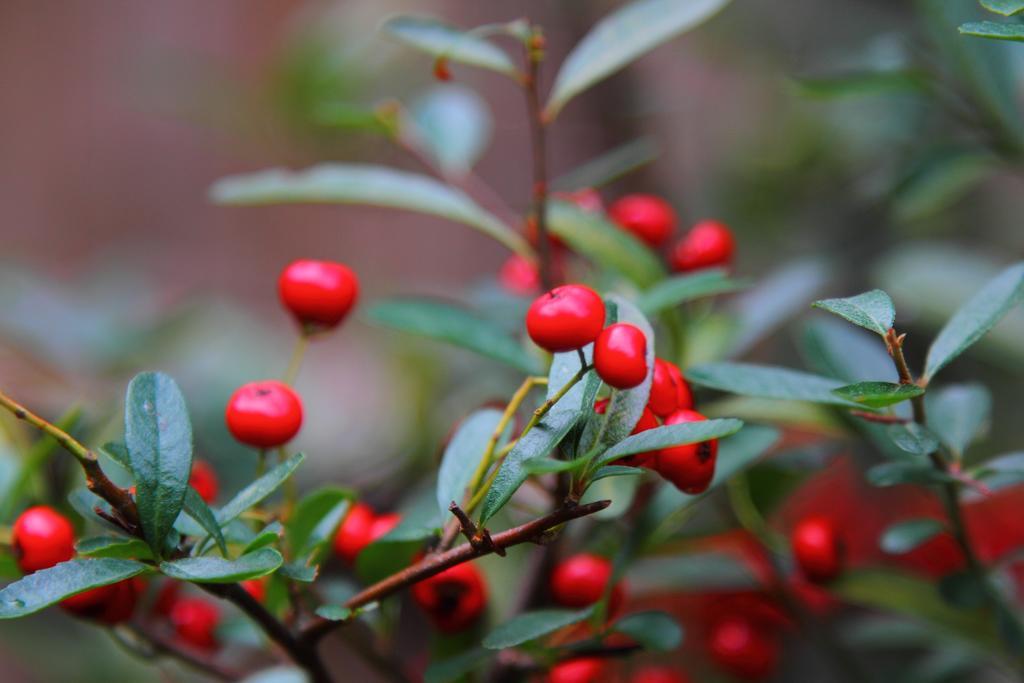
{"x": 538, "y": 144}
{"x": 478, "y": 537}
{"x": 532, "y": 532}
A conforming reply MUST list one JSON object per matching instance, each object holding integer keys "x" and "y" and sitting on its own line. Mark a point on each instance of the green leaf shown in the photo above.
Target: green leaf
{"x": 609, "y": 166}
{"x": 453, "y": 325}
{"x": 913, "y": 438}
{"x": 456, "y": 668}
{"x": 893, "y": 473}
{"x": 1007, "y": 8}
{"x": 548, "y": 465}
{"x": 871, "y": 310}
{"x": 994, "y": 30}
{"x": 452, "y": 125}
{"x": 698, "y": 571}
{"x": 549, "y": 432}
{"x": 615, "y": 471}
{"x": 48, "y": 586}
{"x": 604, "y": 243}
{"x": 110, "y": 545}
{"x": 858, "y": 83}
{"x": 938, "y": 179}
{"x": 1002, "y": 471}
{"x": 680, "y": 289}
{"x": 902, "y": 537}
{"x": 255, "y": 492}
{"x": 878, "y": 394}
{"x": 655, "y": 631}
{"x": 451, "y": 43}
{"x": 836, "y": 349}
{"x": 337, "y": 183}
{"x": 219, "y": 570}
{"x": 268, "y": 535}
{"x": 334, "y": 612}
{"x": 196, "y": 508}
{"x": 767, "y": 381}
{"x": 671, "y": 435}
{"x": 299, "y": 571}
{"x": 315, "y": 520}
{"x": 12, "y": 493}
{"x": 463, "y": 454}
{"x": 622, "y": 37}
{"x": 979, "y": 315}
{"x": 528, "y": 626}
{"x": 958, "y": 414}
{"x": 158, "y": 436}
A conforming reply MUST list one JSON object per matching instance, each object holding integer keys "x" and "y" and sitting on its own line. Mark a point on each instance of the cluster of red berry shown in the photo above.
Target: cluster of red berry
{"x": 572, "y": 316}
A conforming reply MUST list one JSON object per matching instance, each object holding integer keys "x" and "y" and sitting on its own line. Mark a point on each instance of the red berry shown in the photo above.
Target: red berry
{"x": 817, "y": 549}
{"x": 581, "y": 670}
{"x": 649, "y": 218}
{"x": 441, "y": 70}
{"x": 659, "y": 674}
{"x": 91, "y": 603}
{"x": 669, "y": 390}
{"x": 195, "y": 621}
{"x": 690, "y": 467}
{"x": 204, "y": 480}
{"x": 646, "y": 421}
{"x": 566, "y": 318}
{"x": 707, "y": 245}
{"x": 737, "y": 645}
{"x": 264, "y": 414}
{"x": 256, "y": 588}
{"x": 122, "y": 603}
{"x": 453, "y": 599}
{"x": 354, "y": 532}
{"x": 620, "y": 356}
{"x": 519, "y": 276}
{"x": 383, "y": 524}
{"x": 42, "y": 537}
{"x": 318, "y": 293}
{"x": 580, "y": 581}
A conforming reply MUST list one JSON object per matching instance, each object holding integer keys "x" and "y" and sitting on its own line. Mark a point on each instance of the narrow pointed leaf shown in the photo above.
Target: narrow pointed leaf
{"x": 456, "y": 667}
{"x": 219, "y": 570}
{"x": 255, "y": 492}
{"x": 615, "y": 471}
{"x": 48, "y": 586}
{"x": 532, "y": 625}
{"x": 871, "y": 310}
{"x": 878, "y": 394}
{"x": 680, "y": 289}
{"x": 622, "y": 37}
{"x": 158, "y": 436}
{"x": 767, "y": 381}
{"x": 994, "y": 30}
{"x": 609, "y": 166}
{"x": 1007, "y": 8}
{"x": 655, "y": 631}
{"x": 315, "y": 519}
{"x": 196, "y": 508}
{"x": 268, "y": 535}
{"x": 441, "y": 40}
{"x": 902, "y": 537}
{"x": 671, "y": 435}
{"x": 121, "y": 547}
{"x": 338, "y": 183}
{"x": 976, "y": 317}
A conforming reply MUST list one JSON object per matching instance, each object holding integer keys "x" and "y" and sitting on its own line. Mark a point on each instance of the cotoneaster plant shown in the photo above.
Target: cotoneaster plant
{"x": 616, "y": 481}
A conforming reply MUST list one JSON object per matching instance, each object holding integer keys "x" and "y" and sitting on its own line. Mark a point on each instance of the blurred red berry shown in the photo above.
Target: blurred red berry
{"x": 519, "y": 276}
{"x": 669, "y": 390}
{"x": 264, "y": 414}
{"x": 454, "y": 599}
{"x": 318, "y": 293}
{"x": 166, "y": 597}
{"x": 586, "y": 198}
{"x": 580, "y": 670}
{"x": 691, "y": 467}
{"x": 42, "y": 537}
{"x": 580, "y": 581}
{"x": 256, "y": 588}
{"x": 743, "y": 649}
{"x": 382, "y": 524}
{"x": 620, "y": 356}
{"x": 649, "y": 218}
{"x": 91, "y": 603}
{"x": 817, "y": 549}
{"x": 646, "y": 421}
{"x": 659, "y": 674}
{"x": 709, "y": 244}
{"x": 196, "y": 621}
{"x": 354, "y": 532}
{"x": 441, "y": 70}
{"x": 204, "y": 480}
{"x": 566, "y": 318}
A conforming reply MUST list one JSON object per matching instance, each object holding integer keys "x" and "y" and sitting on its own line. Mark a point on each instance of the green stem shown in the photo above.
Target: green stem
{"x": 298, "y": 353}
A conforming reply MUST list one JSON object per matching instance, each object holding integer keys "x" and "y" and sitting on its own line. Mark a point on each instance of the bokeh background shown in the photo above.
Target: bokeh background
{"x": 117, "y": 117}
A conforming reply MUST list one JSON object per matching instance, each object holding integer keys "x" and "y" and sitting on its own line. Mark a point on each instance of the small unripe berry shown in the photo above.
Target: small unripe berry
{"x": 354, "y": 532}
{"x": 42, "y": 537}
{"x": 519, "y": 276}
{"x": 620, "y": 356}
{"x": 709, "y": 244}
{"x": 264, "y": 414}
{"x": 659, "y": 674}
{"x": 649, "y": 218}
{"x": 319, "y": 294}
{"x": 669, "y": 390}
{"x": 817, "y": 549}
{"x": 566, "y": 318}
{"x": 646, "y": 421}
{"x": 454, "y": 599}
{"x": 580, "y": 581}
{"x": 580, "y": 670}
{"x": 742, "y": 648}
{"x": 203, "y": 479}
{"x": 196, "y": 621}
{"x": 690, "y": 467}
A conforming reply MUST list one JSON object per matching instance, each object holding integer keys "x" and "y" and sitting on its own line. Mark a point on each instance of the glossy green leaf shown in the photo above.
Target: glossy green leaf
{"x": 609, "y": 166}
{"x": 994, "y": 30}
{"x": 835, "y": 349}
{"x": 338, "y": 183}
{"x": 453, "y": 325}
{"x": 48, "y": 586}
{"x": 452, "y": 125}
{"x": 655, "y": 631}
{"x": 456, "y": 668}
{"x": 111, "y": 545}
{"x": 334, "y": 612}
{"x": 196, "y": 508}
{"x": 615, "y": 471}
{"x": 878, "y": 394}
{"x": 696, "y": 570}
{"x": 871, "y": 310}
{"x": 257, "y": 491}
{"x": 680, "y": 289}
{"x": 315, "y": 519}
{"x": 219, "y": 570}
{"x": 979, "y": 315}
{"x": 767, "y": 381}
{"x": 1007, "y": 8}
{"x": 549, "y": 432}
{"x": 299, "y": 571}
{"x": 913, "y": 438}
{"x": 268, "y": 535}
{"x": 893, "y": 473}
{"x": 671, "y": 435}
{"x": 442, "y": 40}
{"x": 548, "y": 465}
{"x": 463, "y": 454}
{"x": 622, "y": 37}
{"x": 958, "y": 414}
{"x": 158, "y": 436}
{"x": 528, "y": 626}
{"x": 602, "y": 242}
{"x": 902, "y": 537}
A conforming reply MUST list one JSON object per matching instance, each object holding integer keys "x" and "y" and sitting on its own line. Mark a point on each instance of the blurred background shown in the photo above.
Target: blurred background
{"x": 849, "y": 143}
